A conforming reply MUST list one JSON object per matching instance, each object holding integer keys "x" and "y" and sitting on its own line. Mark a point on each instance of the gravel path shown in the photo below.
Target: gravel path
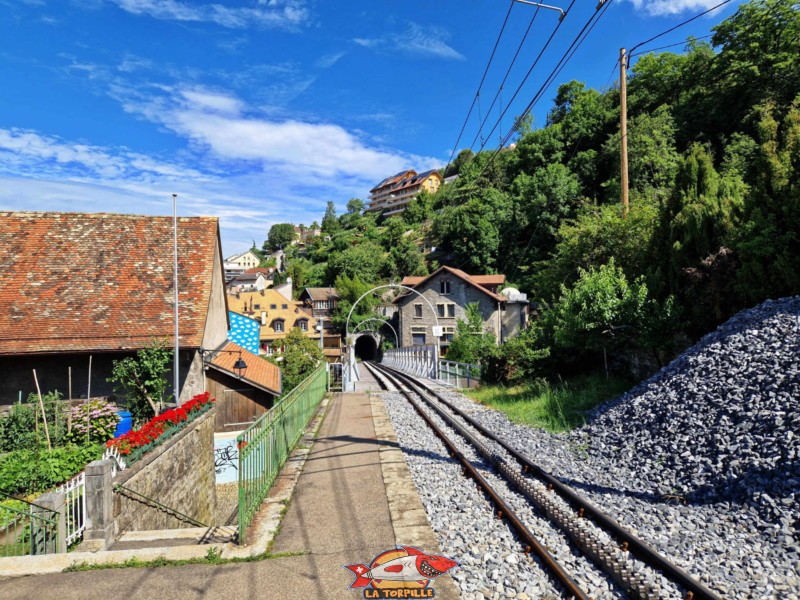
{"x": 701, "y": 459}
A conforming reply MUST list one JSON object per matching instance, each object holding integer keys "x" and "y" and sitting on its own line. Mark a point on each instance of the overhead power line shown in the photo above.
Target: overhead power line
{"x": 678, "y": 26}
{"x": 480, "y": 85}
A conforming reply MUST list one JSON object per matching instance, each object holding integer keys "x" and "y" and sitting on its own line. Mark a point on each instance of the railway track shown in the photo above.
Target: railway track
{"x": 632, "y": 564}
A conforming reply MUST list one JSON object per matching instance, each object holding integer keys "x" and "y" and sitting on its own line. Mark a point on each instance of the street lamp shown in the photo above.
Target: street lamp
{"x": 239, "y": 366}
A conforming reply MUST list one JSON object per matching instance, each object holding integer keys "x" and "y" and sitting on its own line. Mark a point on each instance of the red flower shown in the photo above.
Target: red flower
{"x": 158, "y": 426}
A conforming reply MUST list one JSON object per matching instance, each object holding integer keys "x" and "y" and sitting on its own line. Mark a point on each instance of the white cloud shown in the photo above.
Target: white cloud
{"x": 295, "y": 147}
{"x": 249, "y": 170}
{"x": 658, "y": 8}
{"x": 213, "y": 102}
{"x": 27, "y": 152}
{"x": 288, "y": 14}
{"x": 423, "y": 41}
{"x": 327, "y": 61}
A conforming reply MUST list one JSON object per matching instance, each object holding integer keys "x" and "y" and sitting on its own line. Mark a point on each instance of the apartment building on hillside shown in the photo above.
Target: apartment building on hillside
{"x": 392, "y": 195}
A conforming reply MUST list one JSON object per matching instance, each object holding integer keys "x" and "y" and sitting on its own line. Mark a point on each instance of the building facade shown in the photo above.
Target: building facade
{"x": 392, "y": 195}
{"x": 445, "y": 296}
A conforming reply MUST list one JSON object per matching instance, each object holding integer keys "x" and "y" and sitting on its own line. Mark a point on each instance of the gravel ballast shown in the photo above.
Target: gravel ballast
{"x": 701, "y": 460}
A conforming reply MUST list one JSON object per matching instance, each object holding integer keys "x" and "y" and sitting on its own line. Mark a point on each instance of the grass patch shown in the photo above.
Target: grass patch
{"x": 212, "y": 557}
{"x": 555, "y": 407}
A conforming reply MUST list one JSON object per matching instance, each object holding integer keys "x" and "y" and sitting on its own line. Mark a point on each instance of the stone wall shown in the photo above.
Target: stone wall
{"x": 178, "y": 474}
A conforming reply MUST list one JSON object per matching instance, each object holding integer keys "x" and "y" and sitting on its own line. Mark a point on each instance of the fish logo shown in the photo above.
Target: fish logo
{"x": 405, "y": 568}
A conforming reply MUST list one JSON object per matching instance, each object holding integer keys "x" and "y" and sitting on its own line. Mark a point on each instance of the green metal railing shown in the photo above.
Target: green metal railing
{"x": 266, "y": 444}
{"x": 27, "y": 529}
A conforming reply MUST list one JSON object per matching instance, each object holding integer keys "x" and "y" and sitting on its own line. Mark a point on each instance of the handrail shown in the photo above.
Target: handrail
{"x": 265, "y": 445}
{"x": 31, "y": 504}
{"x": 170, "y": 511}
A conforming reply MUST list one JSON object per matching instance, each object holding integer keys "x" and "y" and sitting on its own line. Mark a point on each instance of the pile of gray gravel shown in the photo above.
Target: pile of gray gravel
{"x": 721, "y": 423}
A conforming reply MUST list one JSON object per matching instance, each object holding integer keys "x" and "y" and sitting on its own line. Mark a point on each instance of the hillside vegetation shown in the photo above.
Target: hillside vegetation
{"x": 714, "y": 222}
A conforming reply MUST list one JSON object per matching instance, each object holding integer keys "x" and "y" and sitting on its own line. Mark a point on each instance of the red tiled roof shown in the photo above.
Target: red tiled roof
{"x": 412, "y": 280}
{"x": 262, "y": 270}
{"x": 77, "y": 282}
{"x": 259, "y": 373}
{"x": 478, "y": 281}
{"x": 489, "y": 279}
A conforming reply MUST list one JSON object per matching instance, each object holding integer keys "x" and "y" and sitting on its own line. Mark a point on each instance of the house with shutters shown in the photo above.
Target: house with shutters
{"x": 278, "y": 314}
{"x": 446, "y": 293}
{"x": 81, "y": 290}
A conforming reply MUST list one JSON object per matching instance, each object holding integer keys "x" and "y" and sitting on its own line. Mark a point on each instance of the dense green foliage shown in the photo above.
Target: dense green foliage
{"x": 279, "y": 236}
{"x": 714, "y": 221}
{"x": 142, "y": 380}
{"x": 300, "y": 357}
{"x": 34, "y": 471}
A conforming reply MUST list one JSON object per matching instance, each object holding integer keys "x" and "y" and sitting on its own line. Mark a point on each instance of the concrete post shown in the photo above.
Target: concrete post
{"x": 99, "y": 505}
{"x": 43, "y": 534}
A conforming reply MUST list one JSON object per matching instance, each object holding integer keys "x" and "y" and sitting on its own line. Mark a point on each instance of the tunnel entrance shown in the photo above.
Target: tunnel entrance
{"x": 366, "y": 348}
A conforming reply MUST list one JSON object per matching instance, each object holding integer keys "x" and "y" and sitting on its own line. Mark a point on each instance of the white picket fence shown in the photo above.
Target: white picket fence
{"x": 75, "y": 506}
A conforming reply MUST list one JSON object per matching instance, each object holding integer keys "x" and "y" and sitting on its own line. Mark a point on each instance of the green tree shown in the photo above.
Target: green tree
{"x": 404, "y": 259}
{"x": 363, "y": 260}
{"x": 702, "y": 211}
{"x": 142, "y": 380}
{"x": 471, "y": 231}
{"x": 420, "y": 209}
{"x": 300, "y": 357}
{"x": 596, "y": 235}
{"x": 350, "y": 289}
{"x": 768, "y": 243}
{"x": 394, "y": 230}
{"x": 603, "y": 311}
{"x": 280, "y": 235}
{"x": 330, "y": 224}
{"x": 472, "y": 343}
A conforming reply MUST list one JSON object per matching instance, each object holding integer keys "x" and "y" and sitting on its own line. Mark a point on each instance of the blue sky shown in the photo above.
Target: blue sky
{"x": 260, "y": 111}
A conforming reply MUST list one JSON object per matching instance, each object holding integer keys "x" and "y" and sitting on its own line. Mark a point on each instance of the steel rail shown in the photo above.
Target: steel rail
{"x": 504, "y": 511}
{"x": 637, "y": 547}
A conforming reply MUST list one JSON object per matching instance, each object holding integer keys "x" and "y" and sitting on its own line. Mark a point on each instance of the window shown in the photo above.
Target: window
{"x": 418, "y": 311}
{"x": 444, "y": 287}
{"x": 277, "y": 325}
{"x": 448, "y": 334}
{"x": 418, "y": 336}
{"x": 303, "y": 324}
{"x": 446, "y": 310}
{"x": 273, "y": 306}
{"x": 284, "y": 306}
{"x": 255, "y": 306}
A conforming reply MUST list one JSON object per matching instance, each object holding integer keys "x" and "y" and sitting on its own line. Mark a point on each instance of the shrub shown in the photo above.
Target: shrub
{"x": 24, "y": 472}
{"x": 93, "y": 422}
{"x": 22, "y": 427}
{"x": 142, "y": 381}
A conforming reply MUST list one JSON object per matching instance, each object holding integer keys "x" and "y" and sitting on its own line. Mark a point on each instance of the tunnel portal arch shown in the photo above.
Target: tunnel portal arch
{"x": 366, "y": 345}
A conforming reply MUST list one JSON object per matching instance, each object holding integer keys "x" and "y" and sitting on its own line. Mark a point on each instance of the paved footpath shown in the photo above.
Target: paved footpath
{"x": 340, "y": 513}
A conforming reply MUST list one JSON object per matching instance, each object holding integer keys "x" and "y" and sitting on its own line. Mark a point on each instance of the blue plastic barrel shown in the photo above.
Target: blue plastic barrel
{"x": 125, "y": 423}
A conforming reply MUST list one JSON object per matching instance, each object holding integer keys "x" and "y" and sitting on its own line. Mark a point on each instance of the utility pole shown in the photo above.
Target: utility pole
{"x": 623, "y": 131}
{"x": 175, "y": 364}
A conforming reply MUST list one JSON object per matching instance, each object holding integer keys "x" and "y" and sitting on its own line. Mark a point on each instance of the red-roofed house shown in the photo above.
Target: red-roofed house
{"x": 75, "y": 286}
{"x": 449, "y": 291}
